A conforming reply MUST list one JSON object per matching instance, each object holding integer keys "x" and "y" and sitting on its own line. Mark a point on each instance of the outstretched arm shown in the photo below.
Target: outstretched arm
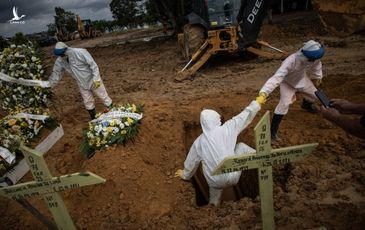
{"x": 191, "y": 163}
{"x": 273, "y": 82}
{"x": 355, "y": 127}
{"x": 345, "y": 106}
{"x": 57, "y": 73}
{"x": 243, "y": 119}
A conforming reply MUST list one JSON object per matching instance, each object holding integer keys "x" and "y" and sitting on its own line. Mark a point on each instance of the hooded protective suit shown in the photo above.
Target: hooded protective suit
{"x": 294, "y": 75}
{"x": 214, "y": 144}
{"x": 79, "y": 64}
{"x": 82, "y": 67}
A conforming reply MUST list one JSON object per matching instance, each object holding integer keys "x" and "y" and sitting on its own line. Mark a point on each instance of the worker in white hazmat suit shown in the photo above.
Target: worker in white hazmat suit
{"x": 214, "y": 144}
{"x": 295, "y": 75}
{"x": 82, "y": 67}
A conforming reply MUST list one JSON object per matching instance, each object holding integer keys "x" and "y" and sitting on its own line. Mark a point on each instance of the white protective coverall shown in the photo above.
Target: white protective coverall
{"x": 214, "y": 144}
{"x": 294, "y": 76}
{"x": 82, "y": 67}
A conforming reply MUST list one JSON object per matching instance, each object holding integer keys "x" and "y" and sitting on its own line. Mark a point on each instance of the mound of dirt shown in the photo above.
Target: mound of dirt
{"x": 327, "y": 189}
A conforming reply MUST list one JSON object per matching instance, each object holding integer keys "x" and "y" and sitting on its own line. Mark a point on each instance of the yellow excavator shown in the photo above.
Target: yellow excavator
{"x": 85, "y": 28}
{"x": 215, "y": 26}
{"x": 207, "y": 27}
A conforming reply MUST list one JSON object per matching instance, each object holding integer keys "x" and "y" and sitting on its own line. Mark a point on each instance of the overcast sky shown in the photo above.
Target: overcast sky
{"x": 39, "y": 13}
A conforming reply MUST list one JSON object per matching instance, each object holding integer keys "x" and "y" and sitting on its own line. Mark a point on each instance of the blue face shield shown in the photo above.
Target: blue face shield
{"x": 59, "y": 52}
{"x": 313, "y": 55}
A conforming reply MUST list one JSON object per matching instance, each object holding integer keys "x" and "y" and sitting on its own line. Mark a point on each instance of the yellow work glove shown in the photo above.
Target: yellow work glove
{"x": 261, "y": 99}
{"x": 179, "y": 173}
{"x": 96, "y": 84}
{"x": 318, "y": 82}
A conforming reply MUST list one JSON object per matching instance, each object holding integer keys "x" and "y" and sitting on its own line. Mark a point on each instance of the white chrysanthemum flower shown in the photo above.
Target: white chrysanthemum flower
{"x": 34, "y": 59}
{"x": 90, "y": 135}
{"x": 126, "y": 123}
{"x": 97, "y": 128}
{"x": 39, "y": 66}
{"x": 116, "y": 130}
{"x": 11, "y": 66}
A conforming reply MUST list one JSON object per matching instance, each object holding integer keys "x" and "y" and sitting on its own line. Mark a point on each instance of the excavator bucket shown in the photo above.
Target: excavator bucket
{"x": 341, "y": 18}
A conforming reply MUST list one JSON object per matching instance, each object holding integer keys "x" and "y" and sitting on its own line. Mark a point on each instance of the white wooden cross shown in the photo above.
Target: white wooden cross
{"x": 48, "y": 186}
{"x": 263, "y": 159}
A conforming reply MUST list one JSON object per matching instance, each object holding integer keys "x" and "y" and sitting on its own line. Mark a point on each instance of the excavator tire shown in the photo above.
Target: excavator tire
{"x": 194, "y": 37}
{"x": 341, "y": 18}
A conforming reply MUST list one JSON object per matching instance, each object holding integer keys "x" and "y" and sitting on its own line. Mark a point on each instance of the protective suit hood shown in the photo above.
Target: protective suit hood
{"x": 60, "y": 49}
{"x": 312, "y": 50}
{"x": 209, "y": 120}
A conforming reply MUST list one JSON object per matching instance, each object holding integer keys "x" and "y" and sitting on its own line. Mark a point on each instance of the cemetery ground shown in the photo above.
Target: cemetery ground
{"x": 325, "y": 189}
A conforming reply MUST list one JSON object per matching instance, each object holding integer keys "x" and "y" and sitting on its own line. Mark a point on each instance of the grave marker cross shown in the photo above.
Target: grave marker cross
{"x": 49, "y": 186}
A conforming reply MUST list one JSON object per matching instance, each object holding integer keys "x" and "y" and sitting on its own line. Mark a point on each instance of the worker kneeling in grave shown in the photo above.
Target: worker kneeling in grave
{"x": 215, "y": 143}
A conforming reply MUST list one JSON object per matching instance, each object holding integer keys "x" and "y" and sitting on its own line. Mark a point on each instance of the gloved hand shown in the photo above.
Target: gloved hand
{"x": 261, "y": 99}
{"x": 318, "y": 82}
{"x": 96, "y": 84}
{"x": 179, "y": 173}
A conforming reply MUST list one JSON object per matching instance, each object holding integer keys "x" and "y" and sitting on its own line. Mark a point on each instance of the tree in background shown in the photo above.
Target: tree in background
{"x": 19, "y": 39}
{"x": 51, "y": 29}
{"x": 4, "y": 43}
{"x": 65, "y": 20}
{"x": 124, "y": 11}
{"x": 152, "y": 15}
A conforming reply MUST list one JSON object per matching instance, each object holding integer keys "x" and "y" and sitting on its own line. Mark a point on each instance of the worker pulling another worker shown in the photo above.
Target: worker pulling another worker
{"x": 295, "y": 75}
{"x": 215, "y": 143}
{"x": 82, "y": 67}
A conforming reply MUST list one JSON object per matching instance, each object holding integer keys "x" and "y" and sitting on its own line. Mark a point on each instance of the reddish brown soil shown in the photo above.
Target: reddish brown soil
{"x": 326, "y": 189}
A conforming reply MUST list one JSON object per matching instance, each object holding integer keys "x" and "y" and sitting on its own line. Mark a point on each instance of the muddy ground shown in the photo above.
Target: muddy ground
{"x": 327, "y": 189}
